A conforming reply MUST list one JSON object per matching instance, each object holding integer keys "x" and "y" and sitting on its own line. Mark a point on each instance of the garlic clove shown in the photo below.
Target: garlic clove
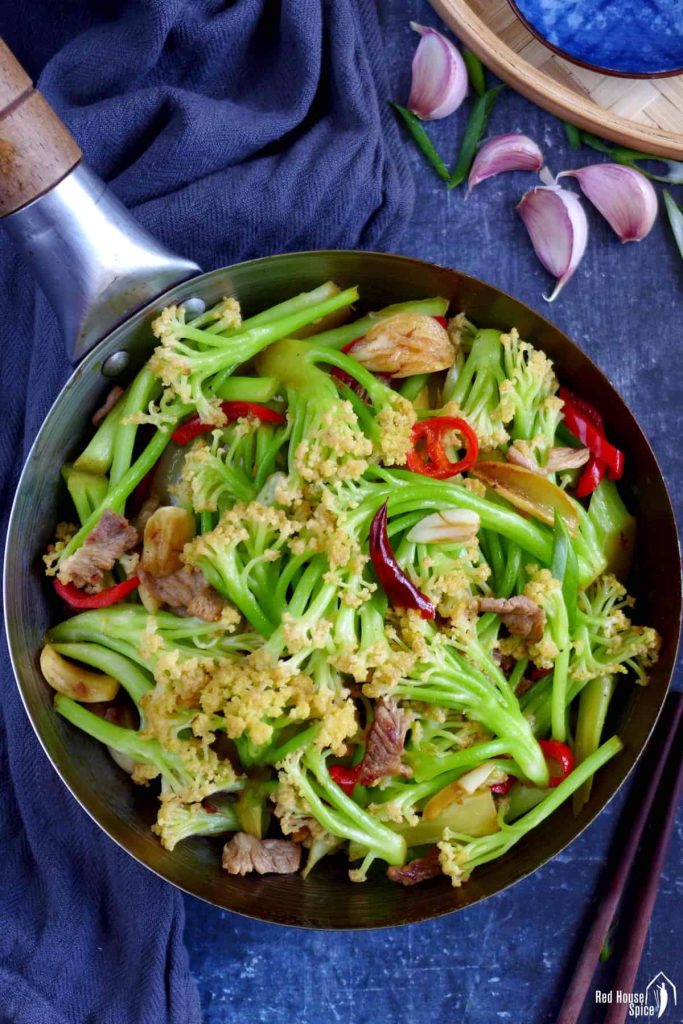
{"x": 471, "y": 781}
{"x": 450, "y": 526}
{"x": 404, "y": 345}
{"x": 558, "y": 228}
{"x": 439, "y": 83}
{"x": 74, "y": 680}
{"x": 624, "y": 197}
{"x": 511, "y": 152}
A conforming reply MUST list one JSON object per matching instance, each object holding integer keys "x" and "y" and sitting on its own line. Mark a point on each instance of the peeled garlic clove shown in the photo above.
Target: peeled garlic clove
{"x": 557, "y": 226}
{"x": 439, "y": 82}
{"x": 511, "y": 152}
{"x": 167, "y": 531}
{"x": 451, "y": 526}
{"x": 405, "y": 344}
{"x": 624, "y": 196}
{"x": 472, "y": 780}
{"x": 74, "y": 680}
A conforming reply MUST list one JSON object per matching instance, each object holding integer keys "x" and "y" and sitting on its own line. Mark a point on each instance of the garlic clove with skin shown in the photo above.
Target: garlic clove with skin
{"x": 558, "y": 228}
{"x": 624, "y": 197}
{"x": 510, "y": 152}
{"x": 405, "y": 344}
{"x": 439, "y": 83}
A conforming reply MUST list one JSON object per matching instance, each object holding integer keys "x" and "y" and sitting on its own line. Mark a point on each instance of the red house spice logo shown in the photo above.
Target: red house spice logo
{"x": 661, "y": 994}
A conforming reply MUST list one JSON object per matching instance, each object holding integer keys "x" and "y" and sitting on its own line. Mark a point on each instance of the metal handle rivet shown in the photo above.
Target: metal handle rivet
{"x": 194, "y": 306}
{"x": 115, "y": 364}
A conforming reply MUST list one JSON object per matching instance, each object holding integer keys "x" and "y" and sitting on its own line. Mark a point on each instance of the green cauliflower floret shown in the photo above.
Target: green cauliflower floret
{"x": 460, "y": 673}
{"x": 234, "y": 466}
{"x": 527, "y": 390}
{"x": 461, "y": 854}
{"x": 338, "y": 814}
{"x": 472, "y": 390}
{"x": 212, "y": 479}
{"x": 190, "y": 771}
{"x": 132, "y": 632}
{"x": 190, "y": 359}
{"x": 326, "y": 440}
{"x": 443, "y": 741}
{"x": 238, "y": 558}
{"x": 177, "y": 820}
{"x": 606, "y": 642}
{"x": 553, "y": 649}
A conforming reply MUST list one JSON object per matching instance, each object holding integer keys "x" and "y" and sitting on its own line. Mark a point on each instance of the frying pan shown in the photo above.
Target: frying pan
{"x": 107, "y": 279}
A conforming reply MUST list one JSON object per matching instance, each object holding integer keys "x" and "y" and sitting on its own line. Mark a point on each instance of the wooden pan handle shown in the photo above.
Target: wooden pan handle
{"x": 36, "y": 149}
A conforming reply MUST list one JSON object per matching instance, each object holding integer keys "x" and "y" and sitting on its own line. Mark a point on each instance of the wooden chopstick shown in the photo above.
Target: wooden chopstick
{"x": 632, "y": 954}
{"x": 609, "y": 902}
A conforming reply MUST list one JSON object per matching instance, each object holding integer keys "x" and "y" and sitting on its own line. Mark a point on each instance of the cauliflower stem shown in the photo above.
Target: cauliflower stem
{"x": 262, "y": 672}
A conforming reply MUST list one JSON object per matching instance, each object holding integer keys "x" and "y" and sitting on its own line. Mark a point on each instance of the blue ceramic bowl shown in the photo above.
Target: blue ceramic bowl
{"x": 638, "y": 38}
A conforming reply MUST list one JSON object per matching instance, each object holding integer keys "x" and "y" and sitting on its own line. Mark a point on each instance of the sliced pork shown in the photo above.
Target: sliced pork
{"x": 244, "y": 854}
{"x": 384, "y": 745}
{"x": 185, "y": 592}
{"x": 112, "y": 537}
{"x": 419, "y": 870}
{"x": 520, "y": 614}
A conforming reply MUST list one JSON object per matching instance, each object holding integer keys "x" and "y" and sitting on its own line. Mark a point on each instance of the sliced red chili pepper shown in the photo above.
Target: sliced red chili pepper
{"x": 345, "y": 778}
{"x": 441, "y": 320}
{"x": 582, "y": 426}
{"x": 559, "y": 754}
{"x": 593, "y": 439}
{"x": 193, "y": 426}
{"x": 79, "y": 599}
{"x": 401, "y": 591}
{"x": 585, "y": 407}
{"x": 431, "y": 432}
{"x": 594, "y": 470}
{"x": 592, "y": 474}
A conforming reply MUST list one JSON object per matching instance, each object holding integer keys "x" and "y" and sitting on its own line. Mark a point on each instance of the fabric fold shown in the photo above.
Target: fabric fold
{"x": 233, "y": 130}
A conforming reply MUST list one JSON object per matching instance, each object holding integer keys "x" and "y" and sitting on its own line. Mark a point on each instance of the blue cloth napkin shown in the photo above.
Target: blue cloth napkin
{"x": 233, "y": 130}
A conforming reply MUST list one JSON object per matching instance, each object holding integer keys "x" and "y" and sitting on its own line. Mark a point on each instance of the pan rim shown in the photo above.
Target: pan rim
{"x": 260, "y": 912}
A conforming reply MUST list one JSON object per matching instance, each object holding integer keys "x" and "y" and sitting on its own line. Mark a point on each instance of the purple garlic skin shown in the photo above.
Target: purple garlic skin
{"x": 439, "y": 83}
{"x": 558, "y": 229}
{"x": 624, "y": 197}
{"x": 511, "y": 152}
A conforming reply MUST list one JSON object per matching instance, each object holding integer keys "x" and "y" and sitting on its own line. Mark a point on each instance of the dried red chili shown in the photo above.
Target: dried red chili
{"x": 402, "y": 593}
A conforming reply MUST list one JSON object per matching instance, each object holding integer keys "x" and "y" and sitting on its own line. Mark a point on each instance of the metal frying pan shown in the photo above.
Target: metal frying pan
{"x": 60, "y": 215}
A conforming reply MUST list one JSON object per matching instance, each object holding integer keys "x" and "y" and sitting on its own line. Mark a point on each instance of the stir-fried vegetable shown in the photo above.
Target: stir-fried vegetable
{"x": 323, "y": 618}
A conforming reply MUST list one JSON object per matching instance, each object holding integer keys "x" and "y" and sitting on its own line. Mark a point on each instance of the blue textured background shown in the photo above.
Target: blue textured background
{"x": 508, "y": 959}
